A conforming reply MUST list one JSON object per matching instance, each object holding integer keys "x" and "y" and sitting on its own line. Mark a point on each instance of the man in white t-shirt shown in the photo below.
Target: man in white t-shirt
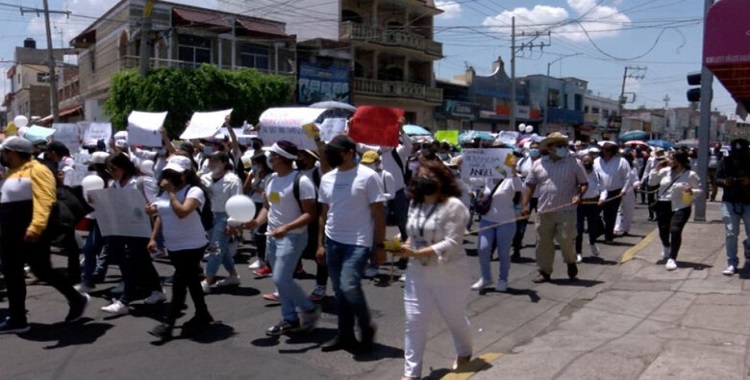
{"x": 351, "y": 198}
{"x": 288, "y": 215}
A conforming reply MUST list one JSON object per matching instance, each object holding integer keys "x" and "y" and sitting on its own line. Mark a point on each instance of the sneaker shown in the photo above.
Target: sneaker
{"x": 206, "y": 287}
{"x": 116, "y": 308}
{"x": 273, "y": 297}
{"x": 371, "y": 272}
{"x": 572, "y": 271}
{"x": 283, "y": 327}
{"x": 229, "y": 281}
{"x": 481, "y": 284}
{"x": 579, "y": 258}
{"x": 729, "y": 271}
{"x": 671, "y": 265}
{"x": 9, "y": 327}
{"x": 155, "y": 297}
{"x": 318, "y": 293}
{"x": 541, "y": 277}
{"x": 118, "y": 289}
{"x": 502, "y": 286}
{"x": 77, "y": 309}
{"x": 159, "y": 254}
{"x": 257, "y": 264}
{"x": 402, "y": 278}
{"x": 308, "y": 319}
{"x": 263, "y": 272}
{"x": 162, "y": 331}
{"x": 595, "y": 250}
{"x": 84, "y": 288}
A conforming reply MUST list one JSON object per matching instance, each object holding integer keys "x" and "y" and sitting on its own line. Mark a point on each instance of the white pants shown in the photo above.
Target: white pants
{"x": 428, "y": 288}
{"x": 625, "y": 213}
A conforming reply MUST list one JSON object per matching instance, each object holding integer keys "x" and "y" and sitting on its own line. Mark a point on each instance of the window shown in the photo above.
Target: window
{"x": 41, "y": 77}
{"x": 578, "y": 102}
{"x": 605, "y": 113}
{"x": 595, "y": 110}
{"x": 194, "y": 49}
{"x": 255, "y": 56}
{"x": 553, "y": 98}
{"x": 586, "y": 109}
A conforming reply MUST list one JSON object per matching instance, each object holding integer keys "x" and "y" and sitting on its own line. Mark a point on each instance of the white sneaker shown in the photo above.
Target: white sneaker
{"x": 579, "y": 258}
{"x": 83, "y": 288}
{"x": 257, "y": 264}
{"x": 116, "y": 308}
{"x": 206, "y": 287}
{"x": 595, "y": 250}
{"x": 664, "y": 253}
{"x": 502, "y": 286}
{"x": 155, "y": 297}
{"x": 402, "y": 278}
{"x": 118, "y": 289}
{"x": 481, "y": 284}
{"x": 729, "y": 271}
{"x": 229, "y": 281}
{"x": 371, "y": 272}
{"x": 671, "y": 265}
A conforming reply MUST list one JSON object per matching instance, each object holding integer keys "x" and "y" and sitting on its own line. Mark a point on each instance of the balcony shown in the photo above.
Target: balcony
{"x": 131, "y": 61}
{"x": 350, "y": 31}
{"x": 381, "y": 88}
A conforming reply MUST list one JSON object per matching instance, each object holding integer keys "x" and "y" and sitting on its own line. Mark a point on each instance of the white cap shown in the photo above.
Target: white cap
{"x": 97, "y": 158}
{"x": 179, "y": 164}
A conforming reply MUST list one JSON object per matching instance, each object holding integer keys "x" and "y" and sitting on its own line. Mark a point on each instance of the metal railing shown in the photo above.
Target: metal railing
{"x": 131, "y": 61}
{"x": 383, "y": 36}
{"x": 407, "y": 90}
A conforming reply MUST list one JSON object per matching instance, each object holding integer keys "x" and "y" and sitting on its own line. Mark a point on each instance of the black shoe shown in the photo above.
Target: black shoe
{"x": 283, "y": 327}
{"x": 195, "y": 324}
{"x": 402, "y": 263}
{"x": 572, "y": 271}
{"x": 541, "y": 277}
{"x": 339, "y": 343}
{"x": 78, "y": 308}
{"x": 368, "y": 340}
{"x": 515, "y": 257}
{"x": 8, "y": 326}
{"x": 162, "y": 331}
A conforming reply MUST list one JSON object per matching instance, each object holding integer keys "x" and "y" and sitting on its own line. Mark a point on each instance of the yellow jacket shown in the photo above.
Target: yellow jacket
{"x": 31, "y": 182}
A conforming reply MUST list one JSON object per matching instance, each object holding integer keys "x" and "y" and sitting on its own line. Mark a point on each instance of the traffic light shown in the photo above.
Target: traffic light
{"x": 694, "y": 94}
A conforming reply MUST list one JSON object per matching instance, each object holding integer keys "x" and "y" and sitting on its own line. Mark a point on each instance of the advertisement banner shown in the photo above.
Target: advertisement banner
{"x": 318, "y": 83}
{"x": 296, "y": 125}
{"x": 376, "y": 125}
{"x": 487, "y": 163}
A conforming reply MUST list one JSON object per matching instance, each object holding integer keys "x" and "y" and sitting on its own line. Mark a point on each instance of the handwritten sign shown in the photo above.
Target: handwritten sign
{"x": 507, "y": 137}
{"x": 68, "y": 134}
{"x": 486, "y": 163}
{"x": 143, "y": 128}
{"x": 205, "y": 124}
{"x": 121, "y": 212}
{"x": 331, "y": 128}
{"x": 96, "y": 131}
{"x": 295, "y": 125}
{"x": 376, "y": 125}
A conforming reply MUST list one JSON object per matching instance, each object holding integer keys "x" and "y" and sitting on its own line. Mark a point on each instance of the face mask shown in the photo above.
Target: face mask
{"x": 561, "y": 152}
{"x": 334, "y": 157}
{"x": 533, "y": 153}
{"x": 588, "y": 166}
{"x": 356, "y": 159}
{"x": 207, "y": 150}
{"x": 425, "y": 186}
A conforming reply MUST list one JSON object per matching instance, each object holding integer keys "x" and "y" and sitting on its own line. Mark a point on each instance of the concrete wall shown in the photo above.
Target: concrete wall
{"x": 307, "y": 19}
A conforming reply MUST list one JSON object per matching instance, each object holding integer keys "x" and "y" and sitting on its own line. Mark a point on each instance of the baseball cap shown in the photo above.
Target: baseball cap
{"x": 18, "y": 144}
{"x": 179, "y": 164}
{"x": 284, "y": 149}
{"x": 370, "y": 157}
{"x": 97, "y": 158}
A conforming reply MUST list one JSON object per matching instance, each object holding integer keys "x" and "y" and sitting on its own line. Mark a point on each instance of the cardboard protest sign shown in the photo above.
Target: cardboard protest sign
{"x": 204, "y": 124}
{"x": 36, "y": 132}
{"x": 295, "y": 125}
{"x": 331, "y": 128}
{"x": 121, "y": 212}
{"x": 487, "y": 163}
{"x": 450, "y": 136}
{"x": 68, "y": 134}
{"x": 376, "y": 125}
{"x": 143, "y": 128}
{"x": 95, "y": 131}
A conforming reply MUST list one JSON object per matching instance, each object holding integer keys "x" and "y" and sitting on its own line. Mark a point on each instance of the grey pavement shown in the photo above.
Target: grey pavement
{"x": 632, "y": 320}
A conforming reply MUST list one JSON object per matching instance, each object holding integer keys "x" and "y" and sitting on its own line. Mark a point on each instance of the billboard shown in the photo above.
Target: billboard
{"x": 319, "y": 83}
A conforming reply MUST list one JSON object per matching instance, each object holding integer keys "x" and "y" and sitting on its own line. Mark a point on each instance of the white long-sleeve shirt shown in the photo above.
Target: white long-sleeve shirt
{"x": 674, "y": 193}
{"x": 595, "y": 186}
{"x": 389, "y": 163}
{"x": 613, "y": 173}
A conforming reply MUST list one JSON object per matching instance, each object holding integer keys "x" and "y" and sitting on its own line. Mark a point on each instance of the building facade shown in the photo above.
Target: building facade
{"x": 599, "y": 115}
{"x": 561, "y": 101}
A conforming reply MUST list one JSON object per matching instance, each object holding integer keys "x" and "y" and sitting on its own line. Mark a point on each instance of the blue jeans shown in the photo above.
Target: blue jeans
{"x": 346, "y": 266}
{"x": 731, "y": 214}
{"x": 283, "y": 255}
{"x": 218, "y": 239}
{"x": 503, "y": 235}
{"x": 92, "y": 248}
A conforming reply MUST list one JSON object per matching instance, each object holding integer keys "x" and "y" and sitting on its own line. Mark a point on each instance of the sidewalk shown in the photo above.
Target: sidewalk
{"x": 639, "y": 322}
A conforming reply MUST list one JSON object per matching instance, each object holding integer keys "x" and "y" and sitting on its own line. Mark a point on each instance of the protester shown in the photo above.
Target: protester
{"x": 677, "y": 186}
{"x": 589, "y": 211}
{"x": 255, "y": 187}
{"x": 94, "y": 240}
{"x": 523, "y": 167}
{"x": 180, "y": 197}
{"x": 715, "y": 156}
{"x": 733, "y": 175}
{"x": 651, "y": 190}
{"x": 28, "y": 195}
{"x": 613, "y": 173}
{"x": 627, "y": 206}
{"x": 351, "y": 198}
{"x": 438, "y": 274}
{"x": 371, "y": 159}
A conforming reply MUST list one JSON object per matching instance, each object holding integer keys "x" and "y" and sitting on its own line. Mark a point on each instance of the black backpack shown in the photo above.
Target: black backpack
{"x": 207, "y": 216}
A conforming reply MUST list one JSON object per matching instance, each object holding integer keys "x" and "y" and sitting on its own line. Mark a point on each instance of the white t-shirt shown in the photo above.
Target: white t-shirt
{"x": 147, "y": 186}
{"x": 502, "y": 201}
{"x": 186, "y": 233}
{"x": 349, "y": 195}
{"x": 284, "y": 206}
{"x": 221, "y": 190}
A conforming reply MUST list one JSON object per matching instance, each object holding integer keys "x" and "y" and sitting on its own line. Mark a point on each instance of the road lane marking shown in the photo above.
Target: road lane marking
{"x": 476, "y": 365}
{"x": 632, "y": 251}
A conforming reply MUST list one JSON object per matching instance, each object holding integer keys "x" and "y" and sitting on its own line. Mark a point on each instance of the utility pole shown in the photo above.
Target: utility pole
{"x": 634, "y": 72}
{"x": 543, "y": 130}
{"x": 145, "y": 48}
{"x": 514, "y": 49}
{"x": 704, "y": 129}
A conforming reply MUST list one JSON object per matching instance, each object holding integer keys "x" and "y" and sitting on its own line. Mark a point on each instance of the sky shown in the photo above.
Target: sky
{"x": 593, "y": 40}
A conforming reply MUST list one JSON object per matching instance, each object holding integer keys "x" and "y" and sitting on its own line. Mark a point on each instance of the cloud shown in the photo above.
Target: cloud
{"x": 450, "y": 8}
{"x": 598, "y": 20}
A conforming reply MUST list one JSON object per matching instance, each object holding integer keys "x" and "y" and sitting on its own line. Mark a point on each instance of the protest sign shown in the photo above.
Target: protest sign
{"x": 450, "y": 136}
{"x": 507, "y": 137}
{"x": 487, "y": 163}
{"x": 96, "y": 131}
{"x": 35, "y": 133}
{"x": 295, "y": 125}
{"x": 80, "y": 169}
{"x": 331, "y": 128}
{"x": 376, "y": 125}
{"x": 242, "y": 137}
{"x": 204, "y": 124}
{"x": 68, "y": 134}
{"x": 143, "y": 128}
{"x": 121, "y": 212}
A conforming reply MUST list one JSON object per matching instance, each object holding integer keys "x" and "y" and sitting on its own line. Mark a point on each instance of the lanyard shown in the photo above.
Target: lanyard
{"x": 426, "y": 218}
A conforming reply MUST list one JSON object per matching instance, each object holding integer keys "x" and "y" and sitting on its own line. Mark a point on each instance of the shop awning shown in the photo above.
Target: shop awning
{"x": 726, "y": 50}
{"x": 63, "y": 113}
{"x": 204, "y": 18}
{"x": 262, "y": 28}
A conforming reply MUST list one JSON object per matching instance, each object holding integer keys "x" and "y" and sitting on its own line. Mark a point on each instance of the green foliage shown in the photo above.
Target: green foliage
{"x": 184, "y": 91}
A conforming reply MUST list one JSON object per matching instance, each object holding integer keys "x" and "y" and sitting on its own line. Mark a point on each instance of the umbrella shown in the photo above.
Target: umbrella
{"x": 333, "y": 105}
{"x": 689, "y": 143}
{"x": 633, "y": 135}
{"x": 659, "y": 143}
{"x": 636, "y": 142}
{"x": 470, "y": 136}
{"x": 415, "y": 130}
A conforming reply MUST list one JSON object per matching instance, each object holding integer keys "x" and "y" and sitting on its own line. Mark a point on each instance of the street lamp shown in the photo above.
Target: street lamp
{"x": 546, "y": 89}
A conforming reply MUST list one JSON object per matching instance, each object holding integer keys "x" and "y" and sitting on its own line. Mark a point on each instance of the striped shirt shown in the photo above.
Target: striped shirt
{"x": 557, "y": 181}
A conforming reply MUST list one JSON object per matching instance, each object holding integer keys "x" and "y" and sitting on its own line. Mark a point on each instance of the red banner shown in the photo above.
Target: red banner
{"x": 376, "y": 125}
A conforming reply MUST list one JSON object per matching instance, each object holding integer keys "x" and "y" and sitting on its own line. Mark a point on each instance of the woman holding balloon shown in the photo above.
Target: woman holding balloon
{"x": 176, "y": 208}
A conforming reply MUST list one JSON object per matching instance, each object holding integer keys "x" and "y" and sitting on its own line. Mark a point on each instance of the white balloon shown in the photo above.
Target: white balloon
{"x": 21, "y": 121}
{"x": 240, "y": 208}
{"x": 92, "y": 182}
{"x": 22, "y": 131}
{"x": 529, "y": 129}
{"x": 521, "y": 127}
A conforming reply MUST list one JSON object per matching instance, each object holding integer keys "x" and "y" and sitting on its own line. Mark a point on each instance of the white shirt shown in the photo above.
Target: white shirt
{"x": 310, "y": 173}
{"x": 524, "y": 168}
{"x": 349, "y": 195}
{"x": 614, "y": 173}
{"x": 284, "y": 207}
{"x": 389, "y": 163}
{"x": 595, "y": 186}
{"x": 221, "y": 190}
{"x": 502, "y": 209}
{"x": 186, "y": 233}
{"x": 147, "y": 186}
{"x": 674, "y": 193}
{"x": 261, "y": 184}
{"x": 441, "y": 228}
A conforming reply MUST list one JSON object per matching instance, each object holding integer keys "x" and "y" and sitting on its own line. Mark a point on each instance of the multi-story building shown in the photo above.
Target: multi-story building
{"x": 561, "y": 101}
{"x": 183, "y": 36}
{"x": 599, "y": 114}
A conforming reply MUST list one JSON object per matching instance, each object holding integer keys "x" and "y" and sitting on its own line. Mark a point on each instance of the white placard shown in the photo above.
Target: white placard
{"x": 97, "y": 131}
{"x": 143, "y": 128}
{"x": 331, "y": 128}
{"x": 242, "y": 137}
{"x": 121, "y": 212}
{"x": 68, "y": 134}
{"x": 204, "y": 124}
{"x": 291, "y": 124}
{"x": 486, "y": 163}
{"x": 507, "y": 137}
{"x": 80, "y": 170}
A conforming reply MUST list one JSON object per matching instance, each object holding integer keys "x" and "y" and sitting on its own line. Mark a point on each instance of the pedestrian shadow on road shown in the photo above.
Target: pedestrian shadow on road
{"x": 380, "y": 351}
{"x": 693, "y": 266}
{"x": 215, "y": 332}
{"x": 67, "y": 334}
{"x": 531, "y": 293}
{"x": 598, "y": 261}
{"x": 579, "y": 282}
{"x": 463, "y": 372}
{"x": 238, "y": 291}
{"x": 309, "y": 341}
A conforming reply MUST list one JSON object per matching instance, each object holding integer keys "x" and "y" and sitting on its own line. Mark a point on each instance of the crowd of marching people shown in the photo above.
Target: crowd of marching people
{"x": 332, "y": 205}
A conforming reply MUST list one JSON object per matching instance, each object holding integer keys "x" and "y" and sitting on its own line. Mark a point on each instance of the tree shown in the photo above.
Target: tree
{"x": 184, "y": 91}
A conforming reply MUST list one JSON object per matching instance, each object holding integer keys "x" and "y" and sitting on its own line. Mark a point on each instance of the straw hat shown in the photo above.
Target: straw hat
{"x": 553, "y": 138}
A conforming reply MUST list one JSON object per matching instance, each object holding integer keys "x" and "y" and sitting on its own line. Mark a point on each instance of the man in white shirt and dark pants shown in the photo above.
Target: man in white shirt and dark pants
{"x": 613, "y": 171}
